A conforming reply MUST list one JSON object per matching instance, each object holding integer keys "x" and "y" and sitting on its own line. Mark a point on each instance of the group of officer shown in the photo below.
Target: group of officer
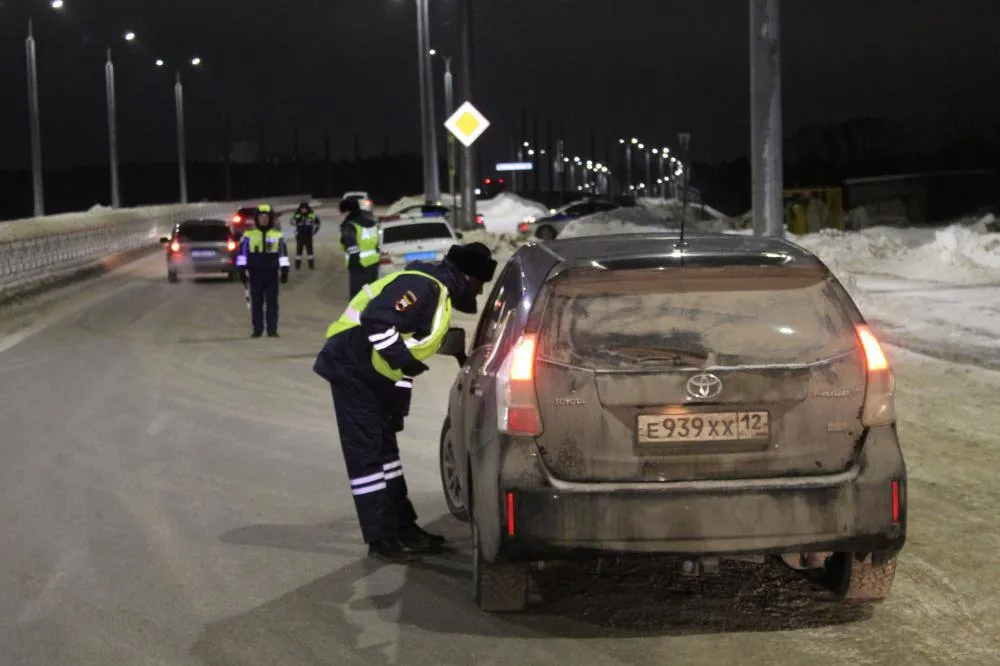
{"x": 372, "y": 354}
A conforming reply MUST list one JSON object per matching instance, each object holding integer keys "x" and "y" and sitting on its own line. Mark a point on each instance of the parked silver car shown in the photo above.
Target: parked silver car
{"x": 200, "y": 247}
{"x": 717, "y": 397}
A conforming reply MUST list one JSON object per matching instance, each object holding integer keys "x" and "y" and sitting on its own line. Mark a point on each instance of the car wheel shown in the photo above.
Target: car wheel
{"x": 498, "y": 588}
{"x": 545, "y": 233}
{"x": 450, "y": 479}
{"x": 859, "y": 577}
{"x": 171, "y": 276}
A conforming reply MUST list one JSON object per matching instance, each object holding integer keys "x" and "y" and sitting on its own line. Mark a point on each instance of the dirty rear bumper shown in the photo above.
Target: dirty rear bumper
{"x": 851, "y": 511}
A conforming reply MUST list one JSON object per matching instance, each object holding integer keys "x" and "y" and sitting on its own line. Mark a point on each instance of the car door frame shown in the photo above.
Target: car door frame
{"x": 464, "y": 393}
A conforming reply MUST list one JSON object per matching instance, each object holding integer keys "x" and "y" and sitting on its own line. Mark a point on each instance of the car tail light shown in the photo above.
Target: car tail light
{"x": 175, "y": 246}
{"x": 390, "y": 218}
{"x": 880, "y": 403}
{"x": 385, "y": 259}
{"x": 523, "y": 227}
{"x": 479, "y": 220}
{"x": 896, "y": 501}
{"x": 231, "y": 245}
{"x": 237, "y": 219}
{"x": 510, "y": 514}
{"x": 517, "y": 404}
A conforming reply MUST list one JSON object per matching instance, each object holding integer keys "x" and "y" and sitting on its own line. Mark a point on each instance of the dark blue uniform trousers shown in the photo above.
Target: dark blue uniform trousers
{"x": 264, "y": 296}
{"x": 358, "y": 278}
{"x": 371, "y": 454}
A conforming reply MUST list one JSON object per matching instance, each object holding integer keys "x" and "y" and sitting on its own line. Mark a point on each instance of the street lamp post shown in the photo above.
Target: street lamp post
{"x": 181, "y": 138}
{"x": 109, "y": 84}
{"x": 35, "y": 123}
{"x": 181, "y": 141}
{"x": 432, "y": 189}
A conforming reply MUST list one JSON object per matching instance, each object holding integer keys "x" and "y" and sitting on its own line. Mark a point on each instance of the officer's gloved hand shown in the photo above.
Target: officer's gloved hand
{"x": 414, "y": 369}
{"x": 284, "y": 275}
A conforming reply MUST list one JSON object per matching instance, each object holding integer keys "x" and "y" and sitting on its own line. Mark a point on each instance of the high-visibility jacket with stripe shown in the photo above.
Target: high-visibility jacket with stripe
{"x": 419, "y": 348}
{"x": 365, "y": 247}
{"x": 262, "y": 249}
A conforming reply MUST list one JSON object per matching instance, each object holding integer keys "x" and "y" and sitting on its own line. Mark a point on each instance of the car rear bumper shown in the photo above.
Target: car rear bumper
{"x": 852, "y": 511}
{"x": 217, "y": 265}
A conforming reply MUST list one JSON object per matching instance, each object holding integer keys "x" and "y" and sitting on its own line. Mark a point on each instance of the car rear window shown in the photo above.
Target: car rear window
{"x": 695, "y": 317}
{"x": 401, "y": 233}
{"x": 201, "y": 233}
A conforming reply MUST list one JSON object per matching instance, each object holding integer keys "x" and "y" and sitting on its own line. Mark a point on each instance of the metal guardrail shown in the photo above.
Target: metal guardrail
{"x": 36, "y": 252}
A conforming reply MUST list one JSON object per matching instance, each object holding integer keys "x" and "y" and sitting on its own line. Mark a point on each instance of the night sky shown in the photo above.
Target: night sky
{"x": 615, "y": 67}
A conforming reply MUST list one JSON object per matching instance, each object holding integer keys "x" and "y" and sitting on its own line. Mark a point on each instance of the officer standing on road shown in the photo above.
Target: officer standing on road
{"x": 370, "y": 358}
{"x": 359, "y": 238}
{"x": 306, "y": 225}
{"x": 263, "y": 252}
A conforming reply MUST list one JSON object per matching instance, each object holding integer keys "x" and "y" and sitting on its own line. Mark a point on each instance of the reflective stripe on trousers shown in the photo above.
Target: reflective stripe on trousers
{"x": 369, "y": 484}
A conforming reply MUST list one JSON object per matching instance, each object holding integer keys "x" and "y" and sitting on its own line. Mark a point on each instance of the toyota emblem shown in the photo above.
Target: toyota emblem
{"x": 704, "y": 386}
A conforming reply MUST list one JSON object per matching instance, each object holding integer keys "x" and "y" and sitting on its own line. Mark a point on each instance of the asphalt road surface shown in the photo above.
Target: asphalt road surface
{"x": 172, "y": 492}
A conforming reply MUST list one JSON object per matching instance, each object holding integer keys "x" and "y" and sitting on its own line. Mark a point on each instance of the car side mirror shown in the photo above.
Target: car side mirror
{"x": 454, "y": 345}
{"x": 164, "y": 240}
{"x": 460, "y": 235}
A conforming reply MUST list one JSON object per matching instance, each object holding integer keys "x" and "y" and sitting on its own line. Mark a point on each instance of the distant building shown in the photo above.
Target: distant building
{"x": 923, "y": 198}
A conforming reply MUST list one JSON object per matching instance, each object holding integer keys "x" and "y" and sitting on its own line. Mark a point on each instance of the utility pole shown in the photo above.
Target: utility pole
{"x": 465, "y": 91}
{"x": 765, "y": 118}
{"x": 228, "y": 148}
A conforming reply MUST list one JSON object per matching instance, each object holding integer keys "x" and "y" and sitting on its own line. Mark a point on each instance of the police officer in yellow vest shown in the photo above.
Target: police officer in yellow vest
{"x": 263, "y": 253}
{"x": 359, "y": 238}
{"x": 370, "y": 358}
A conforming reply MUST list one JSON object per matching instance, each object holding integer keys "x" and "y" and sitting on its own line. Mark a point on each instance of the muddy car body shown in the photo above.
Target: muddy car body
{"x": 717, "y": 397}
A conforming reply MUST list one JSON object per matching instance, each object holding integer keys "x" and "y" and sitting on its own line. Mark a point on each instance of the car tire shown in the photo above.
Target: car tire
{"x": 498, "y": 588}
{"x": 451, "y": 482}
{"x": 172, "y": 276}
{"x": 545, "y": 233}
{"x": 860, "y": 577}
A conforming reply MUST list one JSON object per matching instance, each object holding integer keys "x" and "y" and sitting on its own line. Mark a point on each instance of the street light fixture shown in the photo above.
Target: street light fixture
{"x": 129, "y": 36}
{"x": 57, "y": 4}
{"x": 196, "y": 61}
{"x": 159, "y": 62}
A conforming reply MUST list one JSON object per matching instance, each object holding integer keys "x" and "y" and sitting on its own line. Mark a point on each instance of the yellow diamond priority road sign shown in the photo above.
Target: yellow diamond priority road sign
{"x": 467, "y": 124}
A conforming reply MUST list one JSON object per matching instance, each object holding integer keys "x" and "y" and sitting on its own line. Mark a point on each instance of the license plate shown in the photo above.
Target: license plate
{"x": 703, "y": 427}
{"x": 421, "y": 256}
{"x": 202, "y": 254}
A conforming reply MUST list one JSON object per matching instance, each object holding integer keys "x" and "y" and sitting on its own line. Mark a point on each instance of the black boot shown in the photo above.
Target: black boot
{"x": 255, "y": 334}
{"x": 389, "y": 550}
{"x": 298, "y": 264}
{"x": 416, "y": 538}
{"x": 312, "y": 264}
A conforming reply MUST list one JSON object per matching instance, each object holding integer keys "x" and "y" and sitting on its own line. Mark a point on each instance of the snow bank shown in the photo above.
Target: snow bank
{"x": 650, "y": 216}
{"x": 956, "y": 254}
{"x": 505, "y": 211}
{"x": 501, "y": 214}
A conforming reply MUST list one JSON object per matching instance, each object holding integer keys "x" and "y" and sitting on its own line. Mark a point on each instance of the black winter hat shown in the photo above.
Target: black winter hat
{"x": 473, "y": 259}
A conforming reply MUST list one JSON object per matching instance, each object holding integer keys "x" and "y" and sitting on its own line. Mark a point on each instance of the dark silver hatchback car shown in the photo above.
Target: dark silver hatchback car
{"x": 200, "y": 247}
{"x": 717, "y": 397}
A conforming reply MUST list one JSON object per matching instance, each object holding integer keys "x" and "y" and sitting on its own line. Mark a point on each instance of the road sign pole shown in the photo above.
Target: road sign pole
{"x": 465, "y": 90}
{"x": 765, "y": 118}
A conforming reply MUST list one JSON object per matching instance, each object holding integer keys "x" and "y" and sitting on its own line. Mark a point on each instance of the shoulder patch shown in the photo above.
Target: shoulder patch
{"x": 406, "y": 301}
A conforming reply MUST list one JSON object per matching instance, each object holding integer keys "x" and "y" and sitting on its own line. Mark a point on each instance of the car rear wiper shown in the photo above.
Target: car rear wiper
{"x": 671, "y": 355}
